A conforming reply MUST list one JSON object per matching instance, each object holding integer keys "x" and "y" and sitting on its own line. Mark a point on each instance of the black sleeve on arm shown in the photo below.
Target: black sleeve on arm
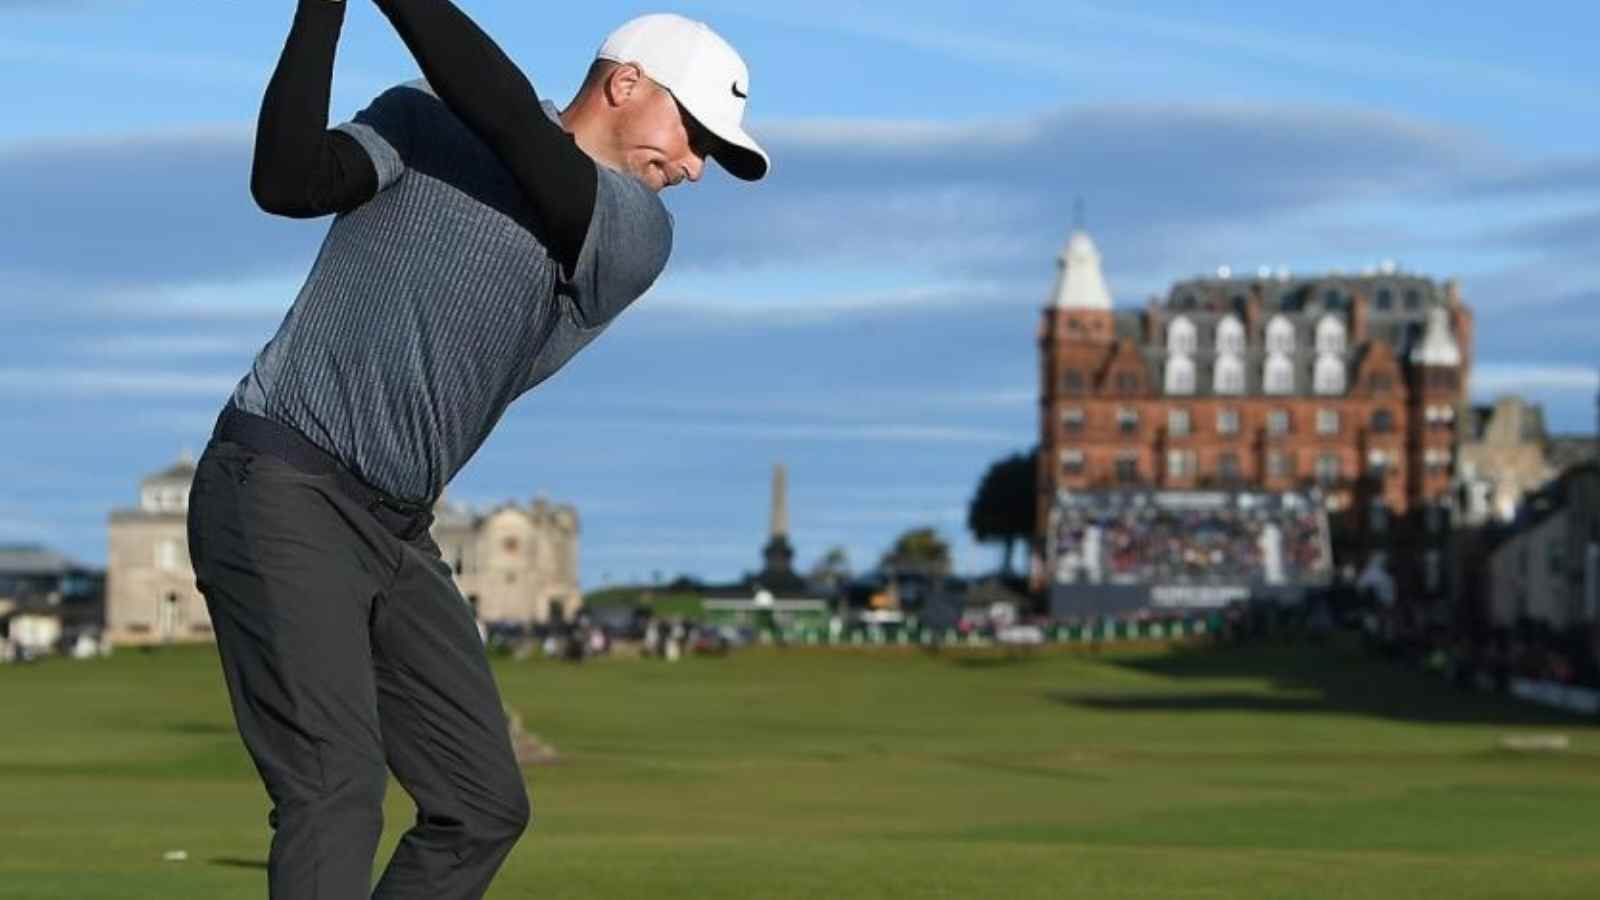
{"x": 302, "y": 169}
{"x": 487, "y": 91}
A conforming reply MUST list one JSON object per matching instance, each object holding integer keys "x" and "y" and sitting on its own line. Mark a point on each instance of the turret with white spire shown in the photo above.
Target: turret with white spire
{"x": 1079, "y": 283}
{"x": 1437, "y": 347}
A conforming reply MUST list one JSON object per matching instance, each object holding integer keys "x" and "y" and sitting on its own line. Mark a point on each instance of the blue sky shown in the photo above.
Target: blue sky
{"x": 867, "y": 314}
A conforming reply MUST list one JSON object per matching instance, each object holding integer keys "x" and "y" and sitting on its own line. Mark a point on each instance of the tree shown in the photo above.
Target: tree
{"x": 919, "y": 550}
{"x": 832, "y": 569}
{"x": 1005, "y": 508}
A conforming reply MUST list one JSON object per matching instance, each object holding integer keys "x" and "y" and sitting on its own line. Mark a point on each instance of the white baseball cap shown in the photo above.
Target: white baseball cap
{"x": 703, "y": 72}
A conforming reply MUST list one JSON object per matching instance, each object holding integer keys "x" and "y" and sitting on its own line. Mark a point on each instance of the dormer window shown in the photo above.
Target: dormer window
{"x": 1329, "y": 376}
{"x": 1278, "y": 375}
{"x": 1280, "y": 335}
{"x": 1230, "y": 336}
{"x": 1180, "y": 375}
{"x": 1182, "y": 337}
{"x": 1229, "y": 375}
{"x": 1330, "y": 336}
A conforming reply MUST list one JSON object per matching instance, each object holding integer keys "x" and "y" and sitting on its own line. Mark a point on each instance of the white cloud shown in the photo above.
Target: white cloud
{"x": 162, "y": 65}
{"x": 1490, "y": 378}
{"x": 863, "y": 433}
{"x": 168, "y": 345}
{"x": 117, "y": 382}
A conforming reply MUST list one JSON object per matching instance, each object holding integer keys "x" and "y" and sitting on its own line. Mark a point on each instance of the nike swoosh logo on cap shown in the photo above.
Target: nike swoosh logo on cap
{"x": 738, "y": 93}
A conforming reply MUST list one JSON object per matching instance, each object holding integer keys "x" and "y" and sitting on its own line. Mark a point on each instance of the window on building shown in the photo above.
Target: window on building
{"x": 1128, "y": 382}
{"x": 1278, "y": 422}
{"x": 1227, "y": 421}
{"x": 1127, "y": 420}
{"x": 1072, "y": 381}
{"x": 1229, "y": 375}
{"x": 1327, "y": 421}
{"x": 1330, "y": 335}
{"x": 1382, "y": 421}
{"x": 1413, "y": 300}
{"x": 1180, "y": 464}
{"x": 1385, "y": 299}
{"x": 1072, "y": 420}
{"x": 1277, "y": 376}
{"x": 1071, "y": 461}
{"x": 1280, "y": 335}
{"x": 1230, "y": 336}
{"x": 1379, "y": 463}
{"x": 169, "y": 555}
{"x": 509, "y": 545}
{"x": 1328, "y": 377}
{"x": 1180, "y": 375}
{"x": 1328, "y": 469}
{"x": 1178, "y": 422}
{"x": 1228, "y": 471}
{"x": 1127, "y": 468}
{"x": 1380, "y": 382}
{"x": 1280, "y": 464}
{"x": 1182, "y": 337}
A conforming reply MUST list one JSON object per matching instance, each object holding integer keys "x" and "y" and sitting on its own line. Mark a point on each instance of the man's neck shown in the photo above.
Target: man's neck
{"x": 585, "y": 129}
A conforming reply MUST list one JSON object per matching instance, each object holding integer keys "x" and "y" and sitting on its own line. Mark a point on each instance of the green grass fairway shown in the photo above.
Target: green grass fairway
{"x": 1276, "y": 771}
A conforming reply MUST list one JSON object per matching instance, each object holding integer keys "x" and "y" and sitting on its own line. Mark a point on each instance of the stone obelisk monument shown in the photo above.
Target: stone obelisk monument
{"x": 778, "y": 572}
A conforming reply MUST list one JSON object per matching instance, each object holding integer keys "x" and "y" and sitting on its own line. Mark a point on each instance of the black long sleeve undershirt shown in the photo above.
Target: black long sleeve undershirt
{"x": 303, "y": 169}
{"x": 487, "y": 91}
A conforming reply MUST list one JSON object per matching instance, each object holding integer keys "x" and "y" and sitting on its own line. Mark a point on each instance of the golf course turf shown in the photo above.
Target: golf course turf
{"x": 1278, "y": 770}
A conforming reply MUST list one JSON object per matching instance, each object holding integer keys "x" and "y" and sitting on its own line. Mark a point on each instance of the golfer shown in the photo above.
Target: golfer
{"x": 482, "y": 238}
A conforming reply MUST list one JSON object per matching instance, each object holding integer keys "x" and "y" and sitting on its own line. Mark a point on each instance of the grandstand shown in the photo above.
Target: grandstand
{"x": 1117, "y": 552}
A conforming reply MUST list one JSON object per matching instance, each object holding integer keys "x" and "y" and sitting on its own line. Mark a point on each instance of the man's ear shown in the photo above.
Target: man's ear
{"x": 625, "y": 82}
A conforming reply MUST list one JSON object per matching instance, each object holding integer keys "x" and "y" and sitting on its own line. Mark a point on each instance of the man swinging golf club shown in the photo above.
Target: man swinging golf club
{"x": 483, "y": 237}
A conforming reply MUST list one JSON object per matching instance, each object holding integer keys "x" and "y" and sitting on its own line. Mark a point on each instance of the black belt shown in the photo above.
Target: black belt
{"x": 404, "y": 519}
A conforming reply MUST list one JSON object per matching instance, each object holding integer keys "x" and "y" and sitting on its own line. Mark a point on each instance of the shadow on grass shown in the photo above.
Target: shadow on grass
{"x": 992, "y": 662}
{"x": 1200, "y": 702}
{"x": 1297, "y": 678}
{"x": 237, "y": 863}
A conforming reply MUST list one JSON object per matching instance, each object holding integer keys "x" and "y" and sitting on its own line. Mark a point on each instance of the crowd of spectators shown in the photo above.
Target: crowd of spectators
{"x": 1488, "y": 658}
{"x": 1153, "y": 544}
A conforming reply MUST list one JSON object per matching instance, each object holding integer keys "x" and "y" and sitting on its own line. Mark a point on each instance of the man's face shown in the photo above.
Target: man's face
{"x": 662, "y": 145}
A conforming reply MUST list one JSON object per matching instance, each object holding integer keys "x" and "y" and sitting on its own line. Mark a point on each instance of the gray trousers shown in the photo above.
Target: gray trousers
{"x": 347, "y": 653}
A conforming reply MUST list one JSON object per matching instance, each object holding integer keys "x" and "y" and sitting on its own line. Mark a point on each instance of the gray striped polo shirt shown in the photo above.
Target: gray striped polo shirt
{"x": 429, "y": 309}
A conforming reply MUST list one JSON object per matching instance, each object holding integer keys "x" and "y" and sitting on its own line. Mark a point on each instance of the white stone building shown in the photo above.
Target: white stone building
{"x": 517, "y": 563}
{"x": 151, "y": 596}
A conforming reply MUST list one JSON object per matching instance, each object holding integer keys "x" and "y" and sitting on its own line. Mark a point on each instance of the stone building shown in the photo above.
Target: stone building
{"x": 150, "y": 591}
{"x": 1351, "y": 384}
{"x": 515, "y": 564}
{"x": 1503, "y": 457}
{"x": 1545, "y": 566}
